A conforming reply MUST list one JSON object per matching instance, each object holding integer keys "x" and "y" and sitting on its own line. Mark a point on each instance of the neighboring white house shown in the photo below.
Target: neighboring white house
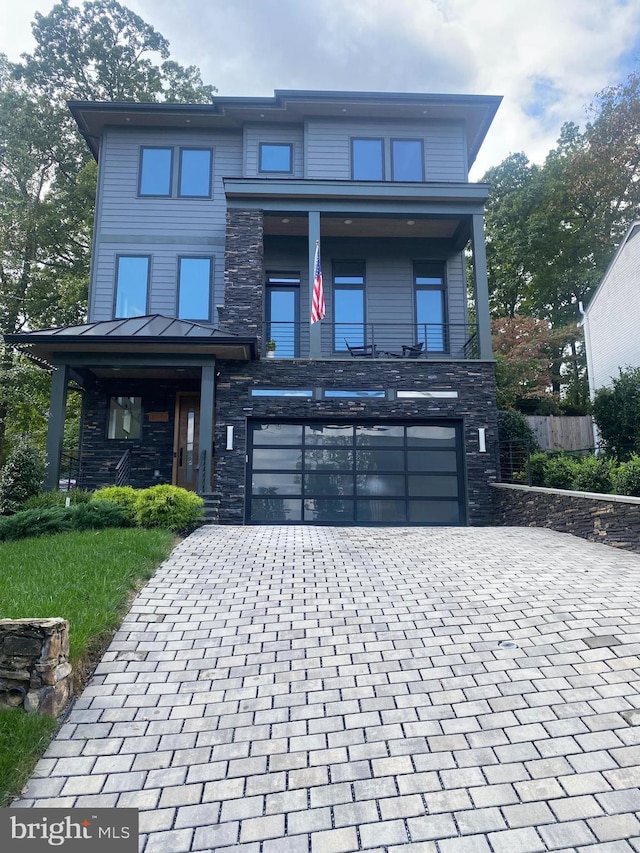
{"x": 612, "y": 318}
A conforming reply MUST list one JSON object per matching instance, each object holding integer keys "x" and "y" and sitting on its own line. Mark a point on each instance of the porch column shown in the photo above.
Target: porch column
{"x": 315, "y": 329}
{"x": 55, "y": 429}
{"x": 481, "y": 287}
{"x": 205, "y": 436}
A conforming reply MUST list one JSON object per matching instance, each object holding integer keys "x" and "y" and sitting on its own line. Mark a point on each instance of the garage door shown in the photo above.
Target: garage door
{"x": 355, "y": 473}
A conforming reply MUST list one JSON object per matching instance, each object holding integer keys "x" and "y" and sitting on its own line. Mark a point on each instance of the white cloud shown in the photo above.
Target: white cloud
{"x": 546, "y": 58}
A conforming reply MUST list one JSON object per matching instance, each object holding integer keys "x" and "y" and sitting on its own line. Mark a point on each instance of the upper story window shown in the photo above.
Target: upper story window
{"x": 367, "y": 159}
{"x": 155, "y": 171}
{"x": 195, "y": 173}
{"x": 194, "y": 288}
{"x": 348, "y": 304}
{"x": 282, "y": 310}
{"x": 187, "y": 175}
{"x": 276, "y": 157}
{"x": 430, "y": 305}
{"x": 132, "y": 285}
{"x": 407, "y": 160}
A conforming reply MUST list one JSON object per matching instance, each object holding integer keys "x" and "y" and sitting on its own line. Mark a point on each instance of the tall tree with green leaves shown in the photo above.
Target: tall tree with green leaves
{"x": 99, "y": 51}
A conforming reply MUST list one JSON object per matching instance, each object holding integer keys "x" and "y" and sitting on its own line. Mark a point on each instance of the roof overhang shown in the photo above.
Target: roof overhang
{"x": 476, "y": 112}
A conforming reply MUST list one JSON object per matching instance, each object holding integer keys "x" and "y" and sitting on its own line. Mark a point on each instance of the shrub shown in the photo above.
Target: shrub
{"x": 21, "y": 476}
{"x": 560, "y": 472}
{"x": 616, "y": 411}
{"x": 45, "y": 499}
{"x": 97, "y": 515}
{"x": 626, "y": 477}
{"x": 124, "y": 496}
{"x": 538, "y": 463}
{"x": 60, "y": 519}
{"x": 168, "y": 506}
{"x": 514, "y": 427}
{"x": 593, "y": 474}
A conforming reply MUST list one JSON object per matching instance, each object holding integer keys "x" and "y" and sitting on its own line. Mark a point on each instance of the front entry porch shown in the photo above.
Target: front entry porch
{"x": 148, "y": 388}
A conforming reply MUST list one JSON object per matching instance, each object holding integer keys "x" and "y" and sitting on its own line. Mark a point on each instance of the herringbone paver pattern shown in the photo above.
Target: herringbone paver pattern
{"x": 331, "y": 690}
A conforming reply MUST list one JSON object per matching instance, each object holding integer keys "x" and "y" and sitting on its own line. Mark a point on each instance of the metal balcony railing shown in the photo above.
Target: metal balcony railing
{"x": 455, "y": 341}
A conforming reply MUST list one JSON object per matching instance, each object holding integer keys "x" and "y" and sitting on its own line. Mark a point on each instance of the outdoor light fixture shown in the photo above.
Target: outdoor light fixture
{"x": 482, "y": 439}
{"x": 229, "y": 438}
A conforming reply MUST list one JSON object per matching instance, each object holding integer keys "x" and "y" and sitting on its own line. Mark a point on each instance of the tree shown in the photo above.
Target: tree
{"x": 99, "y": 51}
{"x": 616, "y": 411}
{"x": 523, "y": 364}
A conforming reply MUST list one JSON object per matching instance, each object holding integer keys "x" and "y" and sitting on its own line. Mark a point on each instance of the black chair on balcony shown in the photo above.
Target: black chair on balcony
{"x": 365, "y": 351}
{"x": 408, "y": 351}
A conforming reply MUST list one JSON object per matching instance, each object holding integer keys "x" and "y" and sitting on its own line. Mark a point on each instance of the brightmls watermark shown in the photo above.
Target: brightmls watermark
{"x": 69, "y": 830}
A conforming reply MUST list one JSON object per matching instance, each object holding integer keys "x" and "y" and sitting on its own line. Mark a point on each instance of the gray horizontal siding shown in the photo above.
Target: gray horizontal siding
{"x": 121, "y": 211}
{"x": 329, "y": 147}
{"x": 163, "y": 277}
{"x": 255, "y": 134}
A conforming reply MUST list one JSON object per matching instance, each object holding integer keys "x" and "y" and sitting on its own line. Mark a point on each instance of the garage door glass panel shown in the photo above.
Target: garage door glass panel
{"x": 326, "y": 434}
{"x": 381, "y": 512}
{"x": 268, "y": 459}
{"x": 380, "y": 460}
{"x": 429, "y": 460}
{"x": 380, "y": 484}
{"x": 277, "y": 434}
{"x": 433, "y": 487}
{"x": 431, "y": 436}
{"x": 328, "y": 484}
{"x": 380, "y": 434}
{"x": 276, "y": 484}
{"x": 434, "y": 512}
{"x": 276, "y": 509}
{"x": 329, "y": 511}
{"x": 328, "y": 459}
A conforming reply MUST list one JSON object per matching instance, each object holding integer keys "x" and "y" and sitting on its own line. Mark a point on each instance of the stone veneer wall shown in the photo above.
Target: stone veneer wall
{"x": 609, "y": 519}
{"x": 244, "y": 274}
{"x": 154, "y": 452}
{"x": 474, "y": 382}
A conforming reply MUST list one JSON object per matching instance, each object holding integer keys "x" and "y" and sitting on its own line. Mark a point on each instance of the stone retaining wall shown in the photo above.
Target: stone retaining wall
{"x": 609, "y": 519}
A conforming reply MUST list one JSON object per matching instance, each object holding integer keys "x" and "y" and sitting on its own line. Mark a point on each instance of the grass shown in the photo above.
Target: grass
{"x": 86, "y": 578}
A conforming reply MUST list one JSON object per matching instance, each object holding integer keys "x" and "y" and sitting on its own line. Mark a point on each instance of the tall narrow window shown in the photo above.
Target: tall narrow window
{"x": 276, "y": 157}
{"x": 132, "y": 286}
{"x": 195, "y": 173}
{"x": 155, "y": 171}
{"x": 348, "y": 304}
{"x": 367, "y": 160}
{"x": 407, "y": 160}
{"x": 283, "y": 312}
{"x": 194, "y": 289}
{"x": 430, "y": 290}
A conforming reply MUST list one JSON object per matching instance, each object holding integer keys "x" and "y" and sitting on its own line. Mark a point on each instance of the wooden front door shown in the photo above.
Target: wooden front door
{"x": 185, "y": 448}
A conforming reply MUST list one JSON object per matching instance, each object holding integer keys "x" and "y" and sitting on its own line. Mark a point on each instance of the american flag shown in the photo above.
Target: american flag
{"x": 317, "y": 301}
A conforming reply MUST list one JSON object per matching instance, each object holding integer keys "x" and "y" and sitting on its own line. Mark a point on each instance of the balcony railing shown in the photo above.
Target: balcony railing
{"x": 455, "y": 341}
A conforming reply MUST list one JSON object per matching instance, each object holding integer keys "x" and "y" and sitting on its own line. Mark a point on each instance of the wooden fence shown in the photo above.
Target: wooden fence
{"x": 562, "y": 433}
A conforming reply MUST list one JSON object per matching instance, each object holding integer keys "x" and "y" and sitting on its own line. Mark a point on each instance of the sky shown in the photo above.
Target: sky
{"x": 547, "y": 58}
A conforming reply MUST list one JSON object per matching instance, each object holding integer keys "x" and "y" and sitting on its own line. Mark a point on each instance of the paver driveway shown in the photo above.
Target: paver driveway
{"x": 290, "y": 689}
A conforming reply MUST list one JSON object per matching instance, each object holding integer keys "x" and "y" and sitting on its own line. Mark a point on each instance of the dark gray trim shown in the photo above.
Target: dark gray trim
{"x": 179, "y": 194}
{"x": 55, "y": 426}
{"x": 481, "y": 287}
{"x": 116, "y": 316}
{"x": 275, "y": 144}
{"x": 206, "y": 431}
{"x": 354, "y": 139}
{"x": 420, "y": 141}
{"x": 211, "y": 259}
{"x": 142, "y": 148}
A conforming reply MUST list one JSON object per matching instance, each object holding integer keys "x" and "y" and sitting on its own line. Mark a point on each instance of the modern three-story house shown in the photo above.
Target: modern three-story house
{"x": 199, "y": 363}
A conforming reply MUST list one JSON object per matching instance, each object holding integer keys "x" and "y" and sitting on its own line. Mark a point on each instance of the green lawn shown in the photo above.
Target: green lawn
{"x": 86, "y": 578}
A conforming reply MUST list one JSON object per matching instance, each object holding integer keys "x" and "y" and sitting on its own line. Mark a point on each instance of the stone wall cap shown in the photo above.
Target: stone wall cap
{"x": 51, "y": 622}
{"x": 568, "y": 493}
